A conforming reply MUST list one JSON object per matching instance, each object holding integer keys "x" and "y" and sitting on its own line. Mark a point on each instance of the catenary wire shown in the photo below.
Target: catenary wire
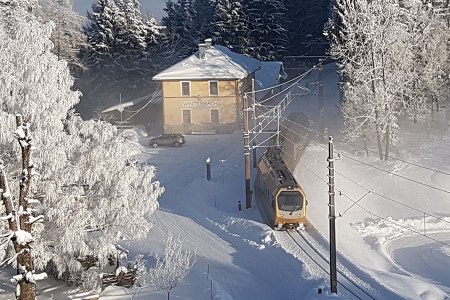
{"x": 376, "y": 215}
{"x": 371, "y": 190}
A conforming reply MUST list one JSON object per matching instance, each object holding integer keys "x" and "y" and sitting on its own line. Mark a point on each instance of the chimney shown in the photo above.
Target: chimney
{"x": 208, "y": 42}
{"x": 201, "y": 51}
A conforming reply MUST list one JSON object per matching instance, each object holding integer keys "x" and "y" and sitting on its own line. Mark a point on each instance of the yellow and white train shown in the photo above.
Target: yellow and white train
{"x": 280, "y": 198}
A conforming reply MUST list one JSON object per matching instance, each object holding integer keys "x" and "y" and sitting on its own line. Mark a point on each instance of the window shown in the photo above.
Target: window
{"x": 186, "y": 116}
{"x": 290, "y": 201}
{"x": 185, "y": 88}
{"x": 213, "y": 88}
{"x": 215, "y": 116}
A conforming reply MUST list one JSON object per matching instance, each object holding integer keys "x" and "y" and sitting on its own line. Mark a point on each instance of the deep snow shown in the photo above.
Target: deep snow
{"x": 239, "y": 257}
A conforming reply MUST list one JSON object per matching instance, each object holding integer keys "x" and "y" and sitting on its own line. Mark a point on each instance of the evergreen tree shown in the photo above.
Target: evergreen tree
{"x": 305, "y": 20}
{"x": 232, "y": 26}
{"x": 179, "y": 29}
{"x": 132, "y": 29}
{"x": 131, "y": 37}
{"x": 117, "y": 42}
{"x": 102, "y": 33}
{"x": 202, "y": 20}
{"x": 268, "y": 35}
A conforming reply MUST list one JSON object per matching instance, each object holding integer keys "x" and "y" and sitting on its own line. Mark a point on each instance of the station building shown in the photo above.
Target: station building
{"x": 203, "y": 93}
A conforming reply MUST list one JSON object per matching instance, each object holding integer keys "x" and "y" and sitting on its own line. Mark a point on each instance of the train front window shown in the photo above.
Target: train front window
{"x": 290, "y": 201}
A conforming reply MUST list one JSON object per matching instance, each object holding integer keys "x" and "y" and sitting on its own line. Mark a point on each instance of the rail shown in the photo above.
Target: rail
{"x": 343, "y": 280}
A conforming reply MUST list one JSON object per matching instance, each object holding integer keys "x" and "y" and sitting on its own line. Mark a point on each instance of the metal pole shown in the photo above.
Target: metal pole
{"x": 321, "y": 106}
{"x": 278, "y": 124}
{"x": 248, "y": 197}
{"x": 121, "y": 108}
{"x": 208, "y": 169}
{"x": 332, "y": 217}
{"x": 254, "y": 122}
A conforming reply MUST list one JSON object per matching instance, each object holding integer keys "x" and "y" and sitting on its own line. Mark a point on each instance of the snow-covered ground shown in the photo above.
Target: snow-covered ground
{"x": 239, "y": 257}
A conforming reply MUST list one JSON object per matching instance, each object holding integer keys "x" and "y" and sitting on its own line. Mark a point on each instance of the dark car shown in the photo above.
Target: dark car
{"x": 175, "y": 140}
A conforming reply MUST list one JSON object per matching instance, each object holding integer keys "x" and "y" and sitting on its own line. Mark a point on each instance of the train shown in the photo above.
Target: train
{"x": 280, "y": 199}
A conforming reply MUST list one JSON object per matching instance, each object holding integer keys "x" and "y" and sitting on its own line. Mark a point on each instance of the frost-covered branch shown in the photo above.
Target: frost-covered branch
{"x": 176, "y": 264}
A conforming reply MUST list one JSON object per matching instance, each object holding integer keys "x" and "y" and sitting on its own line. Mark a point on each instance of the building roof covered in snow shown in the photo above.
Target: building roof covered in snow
{"x": 269, "y": 74}
{"x": 211, "y": 62}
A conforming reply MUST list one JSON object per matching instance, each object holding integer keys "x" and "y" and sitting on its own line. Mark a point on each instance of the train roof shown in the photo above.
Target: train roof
{"x": 278, "y": 169}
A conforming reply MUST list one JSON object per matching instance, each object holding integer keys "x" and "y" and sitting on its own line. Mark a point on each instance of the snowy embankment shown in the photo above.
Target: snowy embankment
{"x": 394, "y": 220}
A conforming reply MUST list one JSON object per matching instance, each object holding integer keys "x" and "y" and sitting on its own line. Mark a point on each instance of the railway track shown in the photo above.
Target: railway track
{"x": 344, "y": 281}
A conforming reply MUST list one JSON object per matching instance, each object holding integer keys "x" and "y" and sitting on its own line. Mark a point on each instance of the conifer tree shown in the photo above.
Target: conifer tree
{"x": 304, "y": 22}
{"x": 268, "y": 35}
{"x": 232, "y": 26}
{"x": 102, "y": 31}
{"x": 202, "y": 20}
{"x": 180, "y": 40}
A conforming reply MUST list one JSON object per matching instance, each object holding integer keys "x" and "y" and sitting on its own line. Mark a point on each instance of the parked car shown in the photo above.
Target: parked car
{"x": 175, "y": 140}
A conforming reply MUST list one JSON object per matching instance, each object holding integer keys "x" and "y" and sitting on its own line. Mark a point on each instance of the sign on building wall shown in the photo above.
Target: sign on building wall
{"x": 200, "y": 103}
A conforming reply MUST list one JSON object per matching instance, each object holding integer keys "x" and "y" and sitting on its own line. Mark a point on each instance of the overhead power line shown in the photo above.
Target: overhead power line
{"x": 371, "y": 190}
{"x": 392, "y": 222}
{"x": 399, "y": 159}
{"x": 372, "y": 151}
{"x": 397, "y": 175}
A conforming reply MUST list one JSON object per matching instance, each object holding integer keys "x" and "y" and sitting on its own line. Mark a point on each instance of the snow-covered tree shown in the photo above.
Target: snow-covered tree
{"x": 305, "y": 20}
{"x": 119, "y": 40}
{"x": 232, "y": 26}
{"x": 372, "y": 49}
{"x": 67, "y": 35}
{"x": 202, "y": 19}
{"x": 180, "y": 39}
{"x": 92, "y": 198}
{"x": 429, "y": 37}
{"x": 268, "y": 35}
{"x": 102, "y": 32}
{"x": 132, "y": 30}
{"x": 175, "y": 265}
{"x": 393, "y": 57}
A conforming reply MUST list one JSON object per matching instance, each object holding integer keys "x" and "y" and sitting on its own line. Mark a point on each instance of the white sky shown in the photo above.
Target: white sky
{"x": 154, "y": 7}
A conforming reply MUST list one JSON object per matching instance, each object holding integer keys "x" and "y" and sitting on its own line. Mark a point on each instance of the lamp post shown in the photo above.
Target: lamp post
{"x": 208, "y": 169}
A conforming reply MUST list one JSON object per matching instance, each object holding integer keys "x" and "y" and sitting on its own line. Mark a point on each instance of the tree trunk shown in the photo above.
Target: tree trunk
{"x": 377, "y": 114}
{"x": 388, "y": 142}
{"x": 27, "y": 289}
{"x": 24, "y": 260}
{"x": 378, "y": 131}
{"x": 447, "y": 117}
{"x": 365, "y": 144}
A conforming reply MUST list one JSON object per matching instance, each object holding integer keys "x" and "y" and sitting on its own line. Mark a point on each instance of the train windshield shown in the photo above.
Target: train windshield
{"x": 290, "y": 201}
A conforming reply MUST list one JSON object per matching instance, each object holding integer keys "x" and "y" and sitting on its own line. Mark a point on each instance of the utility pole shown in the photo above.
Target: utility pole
{"x": 332, "y": 217}
{"x": 254, "y": 122}
{"x": 248, "y": 195}
{"x": 278, "y": 124}
{"x": 321, "y": 106}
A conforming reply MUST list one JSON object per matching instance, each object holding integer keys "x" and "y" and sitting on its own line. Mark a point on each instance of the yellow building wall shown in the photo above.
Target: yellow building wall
{"x": 200, "y": 102}
{"x": 199, "y": 88}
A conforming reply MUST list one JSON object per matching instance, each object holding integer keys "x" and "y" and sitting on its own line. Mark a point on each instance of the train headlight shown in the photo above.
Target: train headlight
{"x": 298, "y": 215}
{"x": 282, "y": 215}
